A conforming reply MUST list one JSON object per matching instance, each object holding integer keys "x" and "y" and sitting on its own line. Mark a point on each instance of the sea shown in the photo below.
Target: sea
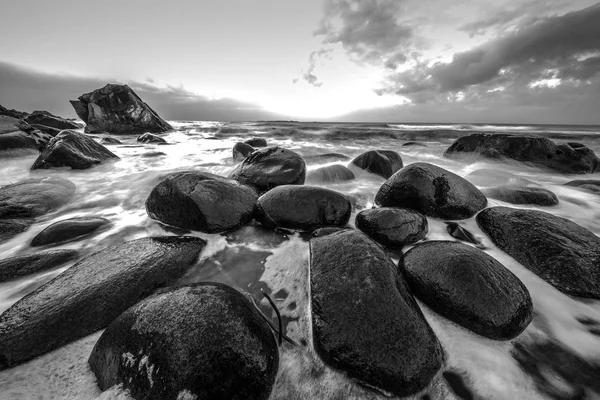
{"x": 254, "y": 259}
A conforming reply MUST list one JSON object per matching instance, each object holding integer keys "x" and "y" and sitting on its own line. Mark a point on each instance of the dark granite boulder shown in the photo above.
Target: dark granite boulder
{"x": 91, "y": 294}
{"x": 559, "y": 251}
{"x": 41, "y": 119}
{"x": 462, "y": 234}
{"x": 392, "y": 227}
{"x": 330, "y": 174}
{"x": 14, "y": 267}
{"x": 34, "y": 197}
{"x": 469, "y": 287}
{"x": 522, "y": 195}
{"x": 201, "y": 201}
{"x": 302, "y": 207}
{"x": 431, "y": 190}
{"x": 17, "y": 135}
{"x": 590, "y": 185}
{"x": 110, "y": 140}
{"x": 68, "y": 230}
{"x": 117, "y": 109}
{"x": 150, "y": 138}
{"x": 204, "y": 341}
{"x": 380, "y": 162}
{"x": 256, "y": 142}
{"x": 365, "y": 321}
{"x": 572, "y": 158}
{"x": 72, "y": 149}
{"x": 267, "y": 168}
{"x": 241, "y": 151}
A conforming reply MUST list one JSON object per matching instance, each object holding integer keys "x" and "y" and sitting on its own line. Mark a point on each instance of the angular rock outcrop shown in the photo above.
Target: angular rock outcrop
{"x": 14, "y": 267}
{"x": 15, "y": 135}
{"x": 330, "y": 174}
{"x": 241, "y": 151}
{"x": 392, "y": 227}
{"x": 49, "y": 123}
{"x": 150, "y": 138}
{"x": 110, "y": 140}
{"x": 69, "y": 230}
{"x": 462, "y": 234}
{"x": 380, "y": 162}
{"x": 12, "y": 113}
{"x": 522, "y": 195}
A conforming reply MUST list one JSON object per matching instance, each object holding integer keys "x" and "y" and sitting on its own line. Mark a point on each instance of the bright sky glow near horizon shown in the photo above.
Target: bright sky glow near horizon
{"x": 414, "y": 60}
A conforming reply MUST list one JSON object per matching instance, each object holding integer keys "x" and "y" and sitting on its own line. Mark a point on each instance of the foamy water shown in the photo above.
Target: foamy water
{"x": 252, "y": 259}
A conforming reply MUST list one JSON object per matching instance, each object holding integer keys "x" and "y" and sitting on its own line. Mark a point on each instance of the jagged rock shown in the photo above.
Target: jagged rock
{"x": 256, "y": 142}
{"x": 68, "y": 230}
{"x": 91, "y": 294}
{"x": 522, "y": 195}
{"x": 392, "y": 227}
{"x": 117, "y": 109}
{"x": 460, "y": 233}
{"x": 201, "y": 201}
{"x": 110, "y": 140}
{"x": 150, "y": 138}
{"x": 573, "y": 158}
{"x": 241, "y": 151}
{"x": 330, "y": 174}
{"x": 41, "y": 119}
{"x": 380, "y": 162}
{"x": 469, "y": 287}
{"x": 72, "y": 149}
{"x": 204, "y": 341}
{"x": 432, "y": 191}
{"x": 365, "y": 321}
{"x": 18, "y": 135}
{"x": 590, "y": 185}
{"x": 12, "y": 113}
{"x": 14, "y": 267}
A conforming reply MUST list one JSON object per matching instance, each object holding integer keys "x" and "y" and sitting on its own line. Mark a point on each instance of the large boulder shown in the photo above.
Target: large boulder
{"x": 241, "y": 151}
{"x": 201, "y": 201}
{"x": 204, "y": 341}
{"x": 561, "y": 252}
{"x": 91, "y": 294}
{"x": 590, "y": 185}
{"x": 303, "y": 207}
{"x": 267, "y": 168}
{"x": 12, "y": 113}
{"x": 330, "y": 174}
{"x": 14, "y": 267}
{"x": 432, "y": 191}
{"x": 34, "y": 197}
{"x": 469, "y": 287}
{"x": 43, "y": 120}
{"x": 68, "y": 230}
{"x": 364, "y": 319}
{"x": 15, "y": 135}
{"x": 522, "y": 195}
{"x": 117, "y": 109}
{"x": 392, "y": 227}
{"x": 380, "y": 162}
{"x": 572, "y": 158}
{"x": 72, "y": 149}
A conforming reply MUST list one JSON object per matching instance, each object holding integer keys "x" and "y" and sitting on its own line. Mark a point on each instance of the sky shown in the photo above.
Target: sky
{"x": 496, "y": 61}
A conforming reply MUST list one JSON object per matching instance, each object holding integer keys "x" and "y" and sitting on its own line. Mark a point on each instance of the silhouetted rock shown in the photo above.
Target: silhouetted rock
{"x": 150, "y": 138}
{"x": 330, "y": 174}
{"x": 72, "y": 149}
{"x": 257, "y": 142}
{"x": 380, "y": 162}
{"x": 41, "y": 119}
{"x": 267, "y": 168}
{"x": 201, "y": 201}
{"x": 12, "y": 113}
{"x": 204, "y": 341}
{"x": 241, "y": 151}
{"x": 302, "y": 207}
{"x": 68, "y": 230}
{"x": 392, "y": 227}
{"x": 91, "y": 294}
{"x": 14, "y": 267}
{"x": 358, "y": 299}
{"x": 561, "y": 252}
{"x": 460, "y": 233}
{"x": 431, "y": 190}
{"x": 117, "y": 109}
{"x": 529, "y": 149}
{"x": 522, "y": 195}
{"x": 590, "y": 185}
{"x": 110, "y": 140}
{"x": 469, "y": 287}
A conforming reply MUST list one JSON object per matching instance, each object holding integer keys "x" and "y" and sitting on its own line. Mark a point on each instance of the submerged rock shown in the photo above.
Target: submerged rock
{"x": 303, "y": 207}
{"x": 12, "y": 113}
{"x": 72, "y": 149}
{"x": 204, "y": 341}
{"x": 330, "y": 174}
{"x": 150, "y": 138}
{"x": 432, "y": 191}
{"x": 392, "y": 227}
{"x": 380, "y": 162}
{"x": 522, "y": 195}
{"x": 110, "y": 140}
{"x": 241, "y": 151}
{"x": 91, "y": 294}
{"x": 201, "y": 201}
{"x": 469, "y": 287}
{"x": 15, "y": 267}
{"x": 559, "y": 251}
{"x": 365, "y": 321}
{"x": 590, "y": 185}
{"x": 256, "y": 142}
{"x": 117, "y": 109}
{"x": 68, "y": 230}
{"x": 327, "y": 157}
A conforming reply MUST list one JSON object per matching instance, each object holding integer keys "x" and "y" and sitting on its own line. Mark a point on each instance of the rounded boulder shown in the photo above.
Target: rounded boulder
{"x": 68, "y": 230}
{"x": 522, "y": 195}
{"x": 380, "y": 162}
{"x": 392, "y": 227}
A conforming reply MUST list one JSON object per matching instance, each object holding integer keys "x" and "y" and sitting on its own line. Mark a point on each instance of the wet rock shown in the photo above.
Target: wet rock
{"x": 15, "y": 135}
{"x": 392, "y": 227}
{"x": 10, "y": 228}
{"x": 330, "y": 174}
{"x": 327, "y": 157}
{"x": 267, "y": 168}
{"x": 495, "y": 177}
{"x": 522, "y": 195}
{"x": 241, "y": 151}
{"x": 432, "y": 191}
{"x": 117, "y": 109}
{"x": 414, "y": 144}
{"x": 201, "y": 201}
{"x": 91, "y": 294}
{"x": 34, "y": 197}
{"x": 590, "y": 185}
{"x": 150, "y": 138}
{"x": 14, "y": 267}
{"x": 567, "y": 158}
{"x": 72, "y": 149}
{"x": 469, "y": 287}
{"x": 12, "y": 113}
{"x": 204, "y": 341}
{"x": 152, "y": 154}
{"x": 358, "y": 298}
{"x": 302, "y": 207}
{"x": 41, "y": 119}
{"x": 110, "y": 140}
{"x": 257, "y": 142}
{"x": 380, "y": 162}
{"x": 559, "y": 251}
{"x": 68, "y": 230}
{"x": 460, "y": 233}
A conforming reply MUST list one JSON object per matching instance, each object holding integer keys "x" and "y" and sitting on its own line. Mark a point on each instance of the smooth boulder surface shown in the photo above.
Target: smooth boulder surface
{"x": 303, "y": 208}
{"x": 522, "y": 195}
{"x": 72, "y": 149}
{"x": 365, "y": 321}
{"x": 68, "y": 230}
{"x": 432, "y": 191}
{"x": 204, "y": 341}
{"x": 91, "y": 294}
{"x": 559, "y": 251}
{"x": 572, "y": 158}
{"x": 267, "y": 168}
{"x": 241, "y": 151}
{"x": 150, "y": 138}
{"x": 256, "y": 142}
{"x": 469, "y": 287}
{"x": 201, "y": 201}
{"x": 590, "y": 185}
{"x": 117, "y": 109}
{"x": 14, "y": 267}
{"x": 392, "y": 227}
{"x": 330, "y": 174}
{"x": 380, "y": 162}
